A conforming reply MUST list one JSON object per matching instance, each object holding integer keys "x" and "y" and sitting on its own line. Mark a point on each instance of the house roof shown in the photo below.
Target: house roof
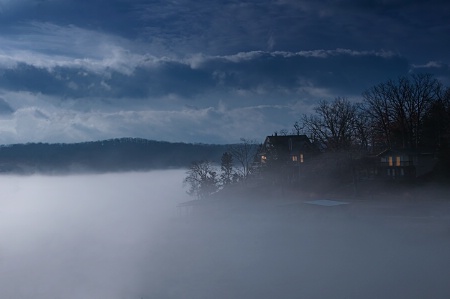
{"x": 284, "y": 138}
{"x": 290, "y": 142}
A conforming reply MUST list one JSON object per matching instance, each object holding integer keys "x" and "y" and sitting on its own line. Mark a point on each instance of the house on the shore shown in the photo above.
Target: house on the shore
{"x": 404, "y": 163}
{"x": 294, "y": 157}
{"x": 287, "y": 154}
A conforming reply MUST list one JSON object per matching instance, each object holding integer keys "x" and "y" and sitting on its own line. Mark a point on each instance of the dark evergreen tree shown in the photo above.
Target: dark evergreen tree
{"x": 227, "y": 174}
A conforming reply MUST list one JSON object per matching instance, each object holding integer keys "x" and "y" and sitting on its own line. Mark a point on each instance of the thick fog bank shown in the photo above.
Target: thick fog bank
{"x": 82, "y": 236}
{"x": 297, "y": 250}
{"x": 122, "y": 236}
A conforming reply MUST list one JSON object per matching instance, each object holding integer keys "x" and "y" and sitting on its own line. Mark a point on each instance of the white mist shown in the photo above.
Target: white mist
{"x": 82, "y": 236}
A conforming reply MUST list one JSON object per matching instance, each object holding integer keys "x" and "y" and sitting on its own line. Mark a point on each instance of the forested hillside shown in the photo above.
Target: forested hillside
{"x": 124, "y": 154}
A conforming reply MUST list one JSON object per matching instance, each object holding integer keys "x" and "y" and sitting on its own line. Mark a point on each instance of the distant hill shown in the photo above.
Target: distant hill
{"x": 122, "y": 154}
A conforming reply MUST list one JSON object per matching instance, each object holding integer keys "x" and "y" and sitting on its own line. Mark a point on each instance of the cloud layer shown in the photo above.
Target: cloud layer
{"x": 214, "y": 97}
{"x": 197, "y": 72}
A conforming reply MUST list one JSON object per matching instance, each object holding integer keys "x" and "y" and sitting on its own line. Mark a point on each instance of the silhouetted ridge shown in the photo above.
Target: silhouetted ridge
{"x": 120, "y": 154}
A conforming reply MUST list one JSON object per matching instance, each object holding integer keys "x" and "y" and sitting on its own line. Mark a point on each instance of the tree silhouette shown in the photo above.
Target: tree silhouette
{"x": 226, "y": 167}
{"x": 244, "y": 153}
{"x": 202, "y": 179}
{"x": 335, "y": 125}
{"x": 397, "y": 109}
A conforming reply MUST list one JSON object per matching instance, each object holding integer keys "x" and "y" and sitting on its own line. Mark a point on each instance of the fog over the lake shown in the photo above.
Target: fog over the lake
{"x": 122, "y": 236}
{"x": 82, "y": 236}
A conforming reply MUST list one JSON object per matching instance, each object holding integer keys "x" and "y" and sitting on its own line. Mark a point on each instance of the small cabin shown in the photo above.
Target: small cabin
{"x": 287, "y": 148}
{"x": 288, "y": 155}
{"x": 404, "y": 164}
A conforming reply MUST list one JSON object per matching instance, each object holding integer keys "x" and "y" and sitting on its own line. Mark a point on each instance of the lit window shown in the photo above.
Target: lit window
{"x": 397, "y": 161}
{"x": 390, "y": 161}
{"x": 301, "y": 158}
{"x": 263, "y": 159}
{"x": 294, "y": 158}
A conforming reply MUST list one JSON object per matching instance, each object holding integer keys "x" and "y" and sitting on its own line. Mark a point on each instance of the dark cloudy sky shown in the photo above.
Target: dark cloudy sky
{"x": 201, "y": 71}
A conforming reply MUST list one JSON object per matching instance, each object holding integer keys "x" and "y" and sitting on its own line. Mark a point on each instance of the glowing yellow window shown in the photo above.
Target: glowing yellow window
{"x": 390, "y": 161}
{"x": 301, "y": 158}
{"x": 294, "y": 158}
{"x": 397, "y": 161}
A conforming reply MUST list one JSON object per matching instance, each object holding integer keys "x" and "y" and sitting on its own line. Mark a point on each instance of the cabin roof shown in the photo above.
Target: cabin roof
{"x": 290, "y": 142}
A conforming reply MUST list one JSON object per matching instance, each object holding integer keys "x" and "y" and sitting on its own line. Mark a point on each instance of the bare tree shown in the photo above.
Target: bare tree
{"x": 362, "y": 129}
{"x": 298, "y": 128}
{"x": 426, "y": 90}
{"x": 436, "y": 126}
{"x": 333, "y": 124}
{"x": 397, "y": 109}
{"x": 202, "y": 179}
{"x": 244, "y": 153}
{"x": 378, "y": 108}
{"x": 283, "y": 132}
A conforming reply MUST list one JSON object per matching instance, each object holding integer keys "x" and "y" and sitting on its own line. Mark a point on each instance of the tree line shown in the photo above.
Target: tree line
{"x": 120, "y": 154}
{"x": 411, "y": 112}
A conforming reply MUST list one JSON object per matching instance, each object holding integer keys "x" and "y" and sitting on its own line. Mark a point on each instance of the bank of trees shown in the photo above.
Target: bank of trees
{"x": 411, "y": 112}
{"x": 399, "y": 110}
{"x": 204, "y": 178}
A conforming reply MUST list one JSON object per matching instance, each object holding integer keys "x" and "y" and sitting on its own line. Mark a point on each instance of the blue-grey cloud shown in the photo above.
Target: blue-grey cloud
{"x": 246, "y": 94}
{"x": 83, "y": 70}
{"x": 340, "y": 71}
{"x": 439, "y": 69}
{"x": 211, "y": 124}
{"x": 5, "y": 108}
